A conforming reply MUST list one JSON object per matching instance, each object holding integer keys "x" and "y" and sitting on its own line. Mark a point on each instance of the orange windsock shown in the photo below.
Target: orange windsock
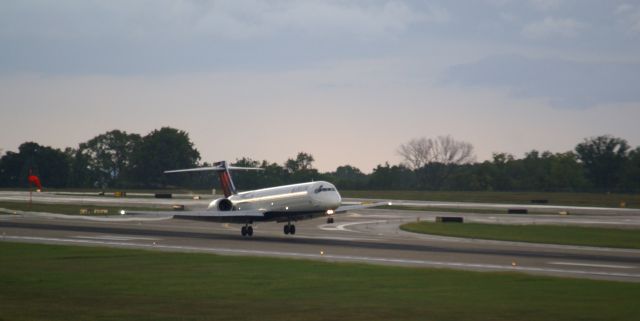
{"x": 34, "y": 180}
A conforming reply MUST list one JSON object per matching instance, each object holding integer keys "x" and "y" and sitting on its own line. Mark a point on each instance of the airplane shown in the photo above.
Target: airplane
{"x": 287, "y": 203}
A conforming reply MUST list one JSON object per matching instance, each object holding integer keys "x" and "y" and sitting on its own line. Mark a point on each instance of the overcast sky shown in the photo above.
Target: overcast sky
{"x": 347, "y": 81}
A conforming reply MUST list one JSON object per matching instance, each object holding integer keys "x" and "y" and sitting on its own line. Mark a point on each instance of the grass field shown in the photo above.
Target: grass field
{"x": 553, "y": 234}
{"x": 575, "y": 199}
{"x": 46, "y": 282}
{"x": 71, "y": 209}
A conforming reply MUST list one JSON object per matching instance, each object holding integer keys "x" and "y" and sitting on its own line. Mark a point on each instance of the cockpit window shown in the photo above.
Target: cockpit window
{"x": 323, "y": 189}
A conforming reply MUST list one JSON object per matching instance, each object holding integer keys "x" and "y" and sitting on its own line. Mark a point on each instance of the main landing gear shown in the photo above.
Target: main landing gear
{"x": 247, "y": 230}
{"x": 290, "y": 229}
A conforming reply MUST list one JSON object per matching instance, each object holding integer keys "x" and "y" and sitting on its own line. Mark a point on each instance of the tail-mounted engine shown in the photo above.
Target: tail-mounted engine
{"x": 222, "y": 204}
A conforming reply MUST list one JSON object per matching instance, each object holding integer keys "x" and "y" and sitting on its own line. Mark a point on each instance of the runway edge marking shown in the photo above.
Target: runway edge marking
{"x": 596, "y": 265}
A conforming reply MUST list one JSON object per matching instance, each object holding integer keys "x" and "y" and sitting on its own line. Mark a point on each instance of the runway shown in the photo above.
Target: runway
{"x": 369, "y": 236}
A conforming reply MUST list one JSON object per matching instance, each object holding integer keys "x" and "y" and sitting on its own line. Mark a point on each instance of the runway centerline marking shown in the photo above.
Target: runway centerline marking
{"x": 115, "y": 238}
{"x": 609, "y": 266}
{"x": 337, "y": 238}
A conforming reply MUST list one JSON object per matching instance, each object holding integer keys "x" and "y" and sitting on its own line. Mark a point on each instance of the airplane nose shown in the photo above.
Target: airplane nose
{"x": 330, "y": 200}
{"x": 337, "y": 199}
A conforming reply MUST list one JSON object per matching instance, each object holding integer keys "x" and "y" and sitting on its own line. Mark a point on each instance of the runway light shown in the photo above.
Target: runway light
{"x": 390, "y": 203}
{"x": 122, "y": 212}
{"x": 513, "y": 263}
{"x": 321, "y": 252}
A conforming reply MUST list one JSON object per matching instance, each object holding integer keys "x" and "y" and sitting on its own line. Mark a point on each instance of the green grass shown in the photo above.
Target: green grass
{"x": 553, "y": 234}
{"x": 575, "y": 199}
{"x": 71, "y": 209}
{"x": 46, "y": 282}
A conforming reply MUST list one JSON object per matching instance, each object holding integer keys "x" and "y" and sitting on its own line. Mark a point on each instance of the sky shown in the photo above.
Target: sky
{"x": 346, "y": 81}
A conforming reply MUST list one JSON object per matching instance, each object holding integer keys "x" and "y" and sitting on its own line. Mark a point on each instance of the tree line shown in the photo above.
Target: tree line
{"x": 117, "y": 159}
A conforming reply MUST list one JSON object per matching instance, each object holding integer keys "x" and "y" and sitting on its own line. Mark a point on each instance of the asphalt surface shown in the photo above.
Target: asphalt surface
{"x": 368, "y": 236}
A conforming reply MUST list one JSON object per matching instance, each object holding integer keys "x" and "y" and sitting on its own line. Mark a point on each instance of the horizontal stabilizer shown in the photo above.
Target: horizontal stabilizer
{"x": 223, "y": 173}
{"x": 214, "y": 169}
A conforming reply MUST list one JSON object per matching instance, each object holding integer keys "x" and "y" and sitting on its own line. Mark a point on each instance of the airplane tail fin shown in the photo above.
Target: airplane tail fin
{"x": 223, "y": 174}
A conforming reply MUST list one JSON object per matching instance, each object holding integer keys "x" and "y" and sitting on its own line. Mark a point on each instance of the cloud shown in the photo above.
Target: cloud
{"x": 342, "y": 17}
{"x": 629, "y": 16}
{"x": 225, "y": 19}
{"x": 563, "y": 83}
{"x": 545, "y": 5}
{"x": 541, "y": 5}
{"x": 553, "y": 27}
{"x": 184, "y": 36}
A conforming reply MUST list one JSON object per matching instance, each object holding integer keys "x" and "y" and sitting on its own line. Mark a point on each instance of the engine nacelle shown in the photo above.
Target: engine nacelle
{"x": 221, "y": 204}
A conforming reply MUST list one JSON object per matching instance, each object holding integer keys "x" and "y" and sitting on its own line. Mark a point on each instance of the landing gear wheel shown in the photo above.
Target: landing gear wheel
{"x": 250, "y": 231}
{"x": 292, "y": 229}
{"x": 286, "y": 229}
{"x": 330, "y": 220}
{"x": 243, "y": 231}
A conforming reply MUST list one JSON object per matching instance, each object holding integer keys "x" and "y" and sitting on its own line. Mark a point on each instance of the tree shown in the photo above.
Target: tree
{"x": 434, "y": 175}
{"x": 274, "y": 174}
{"x": 80, "y": 174}
{"x": 566, "y": 173}
{"x": 107, "y": 156}
{"x": 302, "y": 162}
{"x": 631, "y": 174}
{"x": 499, "y": 173}
{"x": 247, "y": 179}
{"x": 51, "y": 165}
{"x": 417, "y": 152}
{"x": 392, "y": 177}
{"x": 433, "y": 160}
{"x": 348, "y": 177}
{"x": 443, "y": 149}
{"x": 160, "y": 150}
{"x": 603, "y": 158}
{"x": 301, "y": 168}
{"x": 11, "y": 165}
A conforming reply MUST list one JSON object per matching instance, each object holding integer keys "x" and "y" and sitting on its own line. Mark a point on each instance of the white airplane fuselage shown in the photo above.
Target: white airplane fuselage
{"x": 288, "y": 203}
{"x": 314, "y": 197}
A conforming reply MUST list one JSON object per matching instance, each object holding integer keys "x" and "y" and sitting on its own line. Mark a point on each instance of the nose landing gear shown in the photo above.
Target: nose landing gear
{"x": 330, "y": 220}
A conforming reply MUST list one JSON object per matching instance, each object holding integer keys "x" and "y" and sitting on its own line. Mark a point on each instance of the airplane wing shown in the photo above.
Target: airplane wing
{"x": 345, "y": 208}
{"x": 196, "y": 214}
{"x": 107, "y": 218}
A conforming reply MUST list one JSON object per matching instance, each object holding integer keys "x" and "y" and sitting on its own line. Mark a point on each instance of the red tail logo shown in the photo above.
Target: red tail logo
{"x": 227, "y": 185}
